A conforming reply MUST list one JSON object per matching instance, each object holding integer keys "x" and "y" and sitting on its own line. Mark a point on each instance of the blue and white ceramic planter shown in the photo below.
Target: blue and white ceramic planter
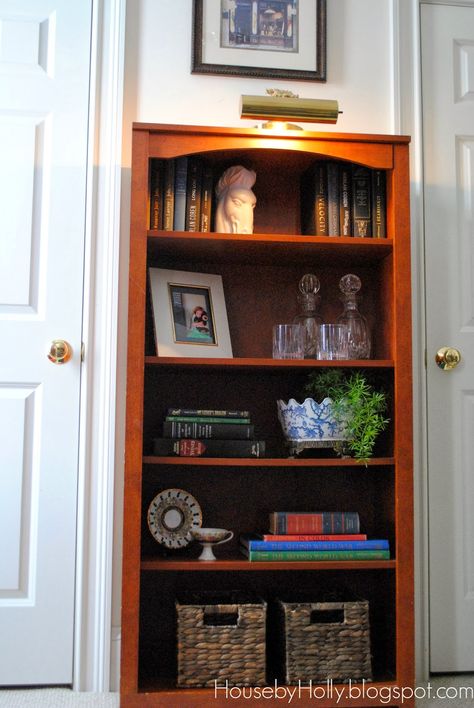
{"x": 310, "y": 422}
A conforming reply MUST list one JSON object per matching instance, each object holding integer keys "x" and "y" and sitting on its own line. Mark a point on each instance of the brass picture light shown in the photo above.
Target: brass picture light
{"x": 281, "y": 106}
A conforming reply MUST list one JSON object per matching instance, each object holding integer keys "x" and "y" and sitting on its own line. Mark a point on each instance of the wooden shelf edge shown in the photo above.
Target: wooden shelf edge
{"x": 161, "y": 564}
{"x": 267, "y": 462}
{"x": 383, "y": 244}
{"x": 266, "y": 363}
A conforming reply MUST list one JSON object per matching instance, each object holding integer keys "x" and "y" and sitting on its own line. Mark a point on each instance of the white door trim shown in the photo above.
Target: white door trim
{"x": 408, "y": 120}
{"x": 92, "y": 646}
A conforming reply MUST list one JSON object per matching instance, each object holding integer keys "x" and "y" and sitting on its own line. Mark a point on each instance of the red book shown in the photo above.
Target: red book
{"x": 314, "y": 537}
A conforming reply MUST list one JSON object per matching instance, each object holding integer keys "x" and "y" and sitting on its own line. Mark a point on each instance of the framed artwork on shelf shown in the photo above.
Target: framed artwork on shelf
{"x": 276, "y": 39}
{"x": 189, "y": 314}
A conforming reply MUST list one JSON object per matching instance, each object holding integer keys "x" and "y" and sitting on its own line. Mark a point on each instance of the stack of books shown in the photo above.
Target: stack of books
{"x": 343, "y": 199}
{"x": 181, "y": 194}
{"x": 313, "y": 536}
{"x": 191, "y": 432}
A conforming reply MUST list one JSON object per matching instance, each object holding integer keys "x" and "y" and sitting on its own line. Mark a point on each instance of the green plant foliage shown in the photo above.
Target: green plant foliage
{"x": 356, "y": 402}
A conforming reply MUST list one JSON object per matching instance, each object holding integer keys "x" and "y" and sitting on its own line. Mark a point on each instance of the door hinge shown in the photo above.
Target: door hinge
{"x": 83, "y": 351}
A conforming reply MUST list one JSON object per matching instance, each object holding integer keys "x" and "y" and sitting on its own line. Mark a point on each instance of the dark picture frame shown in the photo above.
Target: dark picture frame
{"x": 232, "y": 42}
{"x": 192, "y": 324}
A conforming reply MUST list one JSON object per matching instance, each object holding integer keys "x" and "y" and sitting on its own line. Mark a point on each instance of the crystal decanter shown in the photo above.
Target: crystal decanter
{"x": 359, "y": 334}
{"x": 309, "y": 317}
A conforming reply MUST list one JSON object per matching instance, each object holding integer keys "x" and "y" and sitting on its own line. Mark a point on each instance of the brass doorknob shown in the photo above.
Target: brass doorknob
{"x": 60, "y": 351}
{"x": 447, "y": 358}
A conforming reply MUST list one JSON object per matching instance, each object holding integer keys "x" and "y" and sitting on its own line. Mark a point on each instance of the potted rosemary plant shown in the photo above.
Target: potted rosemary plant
{"x": 356, "y": 404}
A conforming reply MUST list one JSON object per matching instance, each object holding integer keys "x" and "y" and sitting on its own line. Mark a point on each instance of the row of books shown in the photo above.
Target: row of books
{"x": 180, "y": 194}
{"x": 190, "y": 432}
{"x": 313, "y": 536}
{"x": 343, "y": 199}
{"x": 337, "y": 198}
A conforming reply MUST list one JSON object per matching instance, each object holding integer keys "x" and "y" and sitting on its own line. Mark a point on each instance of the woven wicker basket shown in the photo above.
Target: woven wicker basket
{"x": 221, "y": 637}
{"x": 326, "y": 640}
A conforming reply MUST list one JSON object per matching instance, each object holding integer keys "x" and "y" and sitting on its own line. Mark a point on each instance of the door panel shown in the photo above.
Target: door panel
{"x": 44, "y": 94}
{"x": 448, "y": 125}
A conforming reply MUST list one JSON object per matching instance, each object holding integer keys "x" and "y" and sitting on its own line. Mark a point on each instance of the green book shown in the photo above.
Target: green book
{"x": 314, "y": 555}
{"x": 204, "y": 419}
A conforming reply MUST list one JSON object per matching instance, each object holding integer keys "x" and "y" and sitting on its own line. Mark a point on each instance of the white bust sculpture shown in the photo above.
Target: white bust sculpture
{"x": 235, "y": 201}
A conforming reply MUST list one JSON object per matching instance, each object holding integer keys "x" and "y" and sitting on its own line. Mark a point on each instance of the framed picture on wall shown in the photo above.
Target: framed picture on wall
{"x": 277, "y": 39}
{"x": 189, "y": 314}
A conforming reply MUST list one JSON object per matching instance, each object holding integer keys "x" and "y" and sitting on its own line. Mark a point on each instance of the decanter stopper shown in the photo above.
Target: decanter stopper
{"x": 308, "y": 317}
{"x": 359, "y": 334}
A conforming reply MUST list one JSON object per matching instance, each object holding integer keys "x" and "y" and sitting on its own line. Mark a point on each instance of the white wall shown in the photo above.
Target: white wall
{"x": 162, "y": 89}
{"x": 159, "y": 88}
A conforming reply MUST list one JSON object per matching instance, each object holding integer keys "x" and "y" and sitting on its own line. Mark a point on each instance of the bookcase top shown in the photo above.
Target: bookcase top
{"x": 261, "y": 132}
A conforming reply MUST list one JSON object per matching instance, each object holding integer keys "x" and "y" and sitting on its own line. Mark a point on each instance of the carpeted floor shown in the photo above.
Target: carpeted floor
{"x": 453, "y": 691}
{"x": 56, "y": 698}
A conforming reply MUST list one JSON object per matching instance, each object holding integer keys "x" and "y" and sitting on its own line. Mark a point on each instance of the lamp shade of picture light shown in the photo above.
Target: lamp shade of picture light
{"x": 284, "y": 108}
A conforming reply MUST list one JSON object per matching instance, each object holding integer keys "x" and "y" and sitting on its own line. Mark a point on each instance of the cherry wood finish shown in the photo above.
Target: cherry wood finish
{"x": 260, "y": 274}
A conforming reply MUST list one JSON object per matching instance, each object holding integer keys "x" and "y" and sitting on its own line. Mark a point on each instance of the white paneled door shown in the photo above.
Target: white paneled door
{"x": 44, "y": 95}
{"x": 448, "y": 124}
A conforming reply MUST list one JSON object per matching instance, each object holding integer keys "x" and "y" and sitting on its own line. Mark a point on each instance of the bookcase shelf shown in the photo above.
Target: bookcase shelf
{"x": 260, "y": 274}
{"x": 241, "y": 564}
{"x": 265, "y": 363}
{"x": 264, "y": 248}
{"x": 278, "y": 462}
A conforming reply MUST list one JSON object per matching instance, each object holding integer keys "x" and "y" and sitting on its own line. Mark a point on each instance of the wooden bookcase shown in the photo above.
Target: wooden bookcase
{"x": 260, "y": 274}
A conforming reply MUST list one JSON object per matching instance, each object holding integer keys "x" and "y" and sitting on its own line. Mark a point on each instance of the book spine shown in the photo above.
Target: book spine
{"x": 320, "y": 200}
{"x": 361, "y": 201}
{"x": 193, "y": 195}
{"x": 180, "y": 180}
{"x": 315, "y": 555}
{"x": 315, "y": 537}
{"x": 333, "y": 198}
{"x": 156, "y": 194}
{"x": 168, "y": 189}
{"x": 208, "y": 412}
{"x": 379, "y": 204}
{"x": 206, "y": 198}
{"x": 298, "y": 546}
{"x": 209, "y": 448}
{"x": 208, "y": 430}
{"x": 319, "y": 522}
{"x": 345, "y": 200}
{"x": 206, "y": 419}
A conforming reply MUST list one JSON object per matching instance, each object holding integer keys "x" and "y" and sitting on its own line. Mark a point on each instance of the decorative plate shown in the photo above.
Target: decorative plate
{"x": 172, "y": 515}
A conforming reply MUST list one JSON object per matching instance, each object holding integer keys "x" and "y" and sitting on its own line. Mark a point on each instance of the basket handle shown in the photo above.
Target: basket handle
{"x": 220, "y": 619}
{"x": 329, "y": 616}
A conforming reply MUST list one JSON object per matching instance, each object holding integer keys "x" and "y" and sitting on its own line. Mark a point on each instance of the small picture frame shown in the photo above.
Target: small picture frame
{"x": 189, "y": 314}
{"x": 277, "y": 39}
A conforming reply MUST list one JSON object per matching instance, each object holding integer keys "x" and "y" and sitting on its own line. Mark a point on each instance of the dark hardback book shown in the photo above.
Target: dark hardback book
{"x": 206, "y": 198}
{"x": 190, "y": 447}
{"x": 314, "y": 200}
{"x": 333, "y": 198}
{"x": 361, "y": 201}
{"x": 193, "y": 195}
{"x": 345, "y": 199}
{"x": 156, "y": 194}
{"x": 224, "y": 413}
{"x": 222, "y": 431}
{"x": 168, "y": 190}
{"x": 379, "y": 204}
{"x": 314, "y": 522}
{"x": 180, "y": 181}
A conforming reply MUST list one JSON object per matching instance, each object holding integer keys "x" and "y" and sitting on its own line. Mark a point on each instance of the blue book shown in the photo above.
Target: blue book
{"x": 180, "y": 186}
{"x": 253, "y": 543}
